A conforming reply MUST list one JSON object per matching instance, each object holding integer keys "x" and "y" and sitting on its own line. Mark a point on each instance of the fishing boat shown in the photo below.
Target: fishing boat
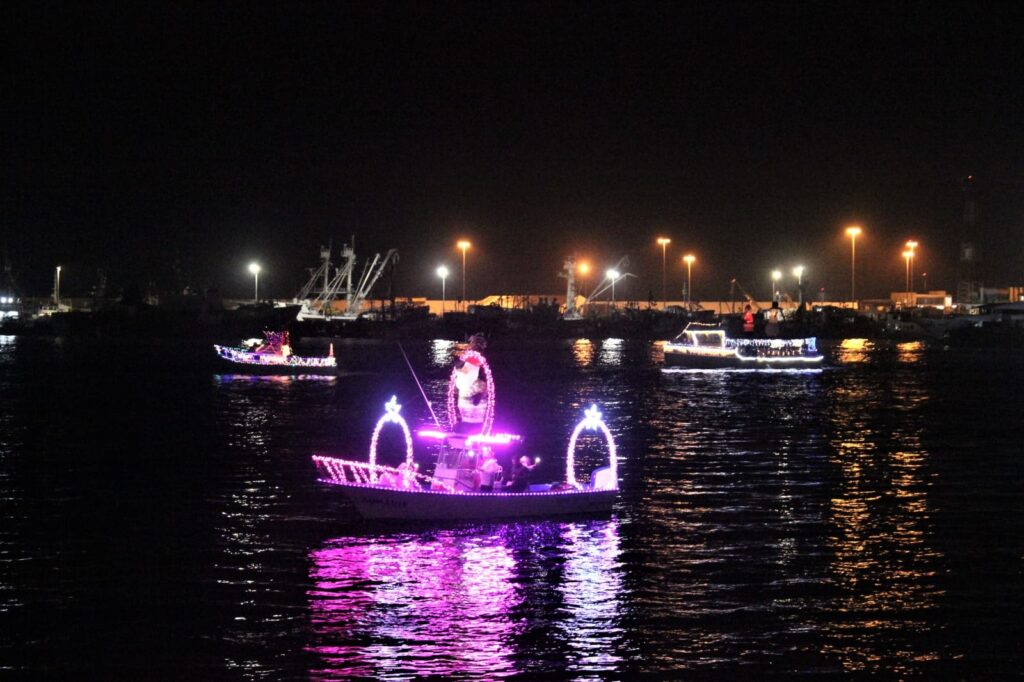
{"x": 465, "y": 482}
{"x": 273, "y": 355}
{"x": 707, "y": 346}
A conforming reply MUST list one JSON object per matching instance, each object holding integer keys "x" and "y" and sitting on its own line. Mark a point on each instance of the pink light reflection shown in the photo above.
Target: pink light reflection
{"x": 413, "y": 606}
{"x": 456, "y": 603}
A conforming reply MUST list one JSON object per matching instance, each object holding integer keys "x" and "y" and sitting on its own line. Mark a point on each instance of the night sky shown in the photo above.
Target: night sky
{"x": 205, "y": 135}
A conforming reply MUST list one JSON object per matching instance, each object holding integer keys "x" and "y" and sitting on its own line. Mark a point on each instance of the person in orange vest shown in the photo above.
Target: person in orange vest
{"x": 748, "y": 322}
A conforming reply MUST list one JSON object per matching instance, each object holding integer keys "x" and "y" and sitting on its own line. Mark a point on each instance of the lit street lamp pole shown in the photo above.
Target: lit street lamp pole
{"x": 912, "y": 247}
{"x": 442, "y": 272}
{"x": 776, "y": 276}
{"x": 56, "y": 288}
{"x": 908, "y": 256}
{"x": 853, "y": 231}
{"x": 798, "y": 272}
{"x": 254, "y": 268}
{"x": 664, "y": 241}
{"x": 463, "y": 244}
{"x": 613, "y": 275}
{"x": 584, "y": 270}
{"x": 688, "y": 259}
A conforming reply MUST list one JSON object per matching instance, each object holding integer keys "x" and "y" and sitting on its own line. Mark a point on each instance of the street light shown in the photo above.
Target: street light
{"x": 584, "y": 270}
{"x": 798, "y": 272}
{"x": 688, "y": 259}
{"x": 613, "y": 275}
{"x": 463, "y": 244}
{"x": 664, "y": 241}
{"x": 853, "y": 231}
{"x": 776, "y": 276}
{"x": 912, "y": 246}
{"x": 442, "y": 272}
{"x": 908, "y": 256}
{"x": 254, "y": 268}
{"x": 56, "y": 288}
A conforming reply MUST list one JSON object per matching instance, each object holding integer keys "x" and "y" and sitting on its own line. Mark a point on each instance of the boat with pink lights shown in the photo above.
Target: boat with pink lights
{"x": 707, "y": 346}
{"x": 273, "y": 355}
{"x": 469, "y": 480}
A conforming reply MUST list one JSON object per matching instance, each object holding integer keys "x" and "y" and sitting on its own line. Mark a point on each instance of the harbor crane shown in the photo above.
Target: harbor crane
{"x": 572, "y": 311}
{"x": 341, "y": 284}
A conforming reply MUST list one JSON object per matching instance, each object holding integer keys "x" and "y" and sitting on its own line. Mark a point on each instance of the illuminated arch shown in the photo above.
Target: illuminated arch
{"x": 592, "y": 422}
{"x": 391, "y": 416}
{"x": 453, "y": 412}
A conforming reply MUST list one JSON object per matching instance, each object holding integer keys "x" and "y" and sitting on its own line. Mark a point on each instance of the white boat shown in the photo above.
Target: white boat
{"x": 707, "y": 346}
{"x": 273, "y": 355}
{"x": 460, "y": 487}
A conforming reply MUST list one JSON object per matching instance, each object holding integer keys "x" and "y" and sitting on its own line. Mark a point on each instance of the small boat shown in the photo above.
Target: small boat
{"x": 462, "y": 486}
{"x": 707, "y": 346}
{"x": 273, "y": 355}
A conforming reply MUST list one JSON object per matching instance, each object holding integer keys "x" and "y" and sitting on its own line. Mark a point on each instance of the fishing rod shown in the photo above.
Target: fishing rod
{"x": 422, "y": 392}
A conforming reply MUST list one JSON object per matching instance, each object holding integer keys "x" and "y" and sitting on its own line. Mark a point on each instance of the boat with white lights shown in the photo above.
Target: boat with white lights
{"x": 273, "y": 355}
{"x": 707, "y": 346}
{"x": 467, "y": 481}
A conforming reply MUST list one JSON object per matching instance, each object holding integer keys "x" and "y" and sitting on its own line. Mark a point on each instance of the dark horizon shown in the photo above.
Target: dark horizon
{"x": 750, "y": 134}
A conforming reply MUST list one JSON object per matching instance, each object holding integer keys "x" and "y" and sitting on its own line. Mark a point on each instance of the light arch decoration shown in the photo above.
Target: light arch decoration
{"x": 593, "y": 421}
{"x": 391, "y": 416}
{"x": 453, "y": 408}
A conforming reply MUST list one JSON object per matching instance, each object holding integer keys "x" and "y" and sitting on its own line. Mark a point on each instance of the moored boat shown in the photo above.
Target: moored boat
{"x": 707, "y": 346}
{"x": 273, "y": 355}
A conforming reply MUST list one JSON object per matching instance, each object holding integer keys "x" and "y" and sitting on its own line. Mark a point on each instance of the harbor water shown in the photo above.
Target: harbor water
{"x": 161, "y": 518}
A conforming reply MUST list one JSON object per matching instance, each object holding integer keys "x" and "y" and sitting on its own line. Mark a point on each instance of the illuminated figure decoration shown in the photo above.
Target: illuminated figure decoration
{"x": 471, "y": 391}
{"x": 380, "y": 492}
{"x": 391, "y": 416}
{"x": 591, "y": 422}
{"x": 708, "y": 347}
{"x": 274, "y": 356}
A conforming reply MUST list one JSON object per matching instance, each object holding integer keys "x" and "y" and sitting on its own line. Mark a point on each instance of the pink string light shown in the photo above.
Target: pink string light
{"x": 453, "y": 413}
{"x": 391, "y": 416}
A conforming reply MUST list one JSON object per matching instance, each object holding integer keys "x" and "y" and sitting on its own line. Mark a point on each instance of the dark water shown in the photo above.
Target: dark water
{"x": 159, "y": 520}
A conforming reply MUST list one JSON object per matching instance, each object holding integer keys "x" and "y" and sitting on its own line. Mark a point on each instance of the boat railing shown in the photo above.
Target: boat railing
{"x": 350, "y": 472}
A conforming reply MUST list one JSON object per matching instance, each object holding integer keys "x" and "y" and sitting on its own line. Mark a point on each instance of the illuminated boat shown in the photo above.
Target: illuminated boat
{"x": 273, "y": 355}
{"x": 454, "y": 490}
{"x": 708, "y": 347}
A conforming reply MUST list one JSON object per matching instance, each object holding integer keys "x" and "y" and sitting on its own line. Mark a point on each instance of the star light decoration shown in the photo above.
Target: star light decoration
{"x": 592, "y": 421}
{"x": 391, "y": 416}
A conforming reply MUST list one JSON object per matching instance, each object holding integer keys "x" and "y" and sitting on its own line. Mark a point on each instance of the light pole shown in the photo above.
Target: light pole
{"x": 464, "y": 245}
{"x": 664, "y": 241}
{"x": 254, "y": 268}
{"x": 776, "y": 276}
{"x": 688, "y": 259}
{"x": 798, "y": 272}
{"x": 584, "y": 269}
{"x": 613, "y": 275}
{"x": 912, "y": 247}
{"x": 853, "y": 231}
{"x": 56, "y": 288}
{"x": 908, "y": 256}
{"x": 442, "y": 272}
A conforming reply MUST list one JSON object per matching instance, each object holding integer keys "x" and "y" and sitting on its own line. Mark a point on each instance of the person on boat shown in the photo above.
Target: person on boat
{"x": 521, "y": 470}
{"x": 490, "y": 472}
{"x": 774, "y": 319}
{"x": 748, "y": 322}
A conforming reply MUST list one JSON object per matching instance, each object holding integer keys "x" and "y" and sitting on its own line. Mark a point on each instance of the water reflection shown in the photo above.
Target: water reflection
{"x": 855, "y": 351}
{"x": 910, "y": 352}
{"x": 583, "y": 352}
{"x": 885, "y": 560}
{"x": 611, "y": 352}
{"x": 441, "y": 351}
{"x": 456, "y": 602}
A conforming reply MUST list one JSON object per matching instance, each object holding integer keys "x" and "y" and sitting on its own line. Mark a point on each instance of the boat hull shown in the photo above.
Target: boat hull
{"x": 683, "y": 358}
{"x": 380, "y": 502}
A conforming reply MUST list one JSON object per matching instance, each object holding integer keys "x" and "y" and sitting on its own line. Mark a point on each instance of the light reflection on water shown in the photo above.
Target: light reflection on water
{"x": 452, "y": 602}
